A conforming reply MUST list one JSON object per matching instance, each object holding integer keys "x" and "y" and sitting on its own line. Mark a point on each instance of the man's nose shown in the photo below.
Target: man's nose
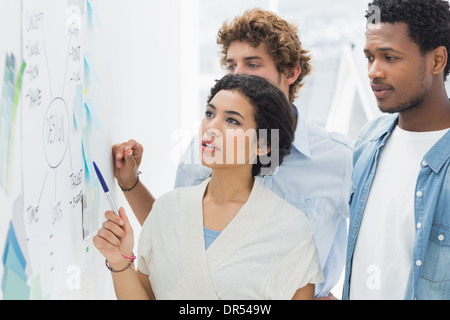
{"x": 240, "y": 69}
{"x": 376, "y": 71}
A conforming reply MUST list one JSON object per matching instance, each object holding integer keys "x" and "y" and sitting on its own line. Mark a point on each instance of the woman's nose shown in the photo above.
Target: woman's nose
{"x": 212, "y": 128}
{"x": 213, "y": 132}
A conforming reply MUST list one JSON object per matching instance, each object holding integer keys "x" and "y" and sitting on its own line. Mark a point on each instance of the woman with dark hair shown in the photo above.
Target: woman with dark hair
{"x": 230, "y": 237}
{"x": 271, "y": 113}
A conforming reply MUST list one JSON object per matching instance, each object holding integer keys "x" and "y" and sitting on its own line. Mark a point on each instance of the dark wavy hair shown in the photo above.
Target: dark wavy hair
{"x": 271, "y": 110}
{"x": 428, "y": 22}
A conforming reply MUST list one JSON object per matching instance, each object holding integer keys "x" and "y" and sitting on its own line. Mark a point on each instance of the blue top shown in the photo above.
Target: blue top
{"x": 429, "y": 278}
{"x": 315, "y": 178}
{"x": 210, "y": 236}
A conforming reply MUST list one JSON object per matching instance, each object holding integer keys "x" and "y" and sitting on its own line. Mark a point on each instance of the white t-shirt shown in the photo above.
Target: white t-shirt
{"x": 383, "y": 253}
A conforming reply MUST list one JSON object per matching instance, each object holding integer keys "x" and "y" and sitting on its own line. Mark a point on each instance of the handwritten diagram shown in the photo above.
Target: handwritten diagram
{"x": 53, "y": 165}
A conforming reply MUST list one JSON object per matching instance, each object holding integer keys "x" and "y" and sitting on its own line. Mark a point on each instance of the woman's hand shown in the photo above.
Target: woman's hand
{"x": 115, "y": 239}
{"x": 127, "y": 159}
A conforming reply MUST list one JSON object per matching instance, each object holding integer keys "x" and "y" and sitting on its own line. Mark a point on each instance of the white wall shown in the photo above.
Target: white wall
{"x": 137, "y": 51}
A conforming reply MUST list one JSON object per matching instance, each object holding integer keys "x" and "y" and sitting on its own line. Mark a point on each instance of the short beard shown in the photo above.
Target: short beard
{"x": 408, "y": 106}
{"x": 416, "y": 101}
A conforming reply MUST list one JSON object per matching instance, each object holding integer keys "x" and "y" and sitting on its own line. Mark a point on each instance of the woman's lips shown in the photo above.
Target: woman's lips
{"x": 208, "y": 146}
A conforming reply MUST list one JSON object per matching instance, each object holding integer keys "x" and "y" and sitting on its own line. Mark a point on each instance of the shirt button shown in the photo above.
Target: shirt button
{"x": 419, "y": 225}
{"x": 418, "y": 263}
{"x": 441, "y": 237}
{"x": 419, "y": 194}
{"x": 424, "y": 163}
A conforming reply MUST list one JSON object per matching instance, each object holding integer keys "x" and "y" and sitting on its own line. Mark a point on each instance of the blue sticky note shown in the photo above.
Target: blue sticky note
{"x": 87, "y": 160}
{"x": 92, "y": 115}
{"x": 78, "y": 106}
{"x": 6, "y": 120}
{"x": 89, "y": 67}
{"x": 13, "y": 263}
{"x": 15, "y": 287}
{"x": 93, "y": 12}
{"x": 14, "y": 281}
{"x": 12, "y": 243}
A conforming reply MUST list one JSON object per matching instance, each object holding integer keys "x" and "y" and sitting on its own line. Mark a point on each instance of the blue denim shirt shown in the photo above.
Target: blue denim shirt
{"x": 430, "y": 270}
{"x": 316, "y": 179}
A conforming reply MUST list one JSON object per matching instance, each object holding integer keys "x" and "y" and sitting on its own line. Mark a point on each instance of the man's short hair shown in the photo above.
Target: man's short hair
{"x": 428, "y": 22}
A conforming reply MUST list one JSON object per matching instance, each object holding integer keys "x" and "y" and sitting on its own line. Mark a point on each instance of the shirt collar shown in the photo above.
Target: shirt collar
{"x": 386, "y": 127}
{"x": 439, "y": 154}
{"x": 301, "y": 141}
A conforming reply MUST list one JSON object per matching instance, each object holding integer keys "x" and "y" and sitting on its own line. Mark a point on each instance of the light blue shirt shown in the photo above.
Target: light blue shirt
{"x": 210, "y": 236}
{"x": 429, "y": 277}
{"x": 315, "y": 178}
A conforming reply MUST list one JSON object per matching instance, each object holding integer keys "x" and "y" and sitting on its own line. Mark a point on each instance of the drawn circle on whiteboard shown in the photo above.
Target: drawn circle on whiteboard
{"x": 56, "y": 132}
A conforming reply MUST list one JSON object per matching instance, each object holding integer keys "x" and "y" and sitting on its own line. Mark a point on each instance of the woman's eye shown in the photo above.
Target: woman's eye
{"x": 209, "y": 114}
{"x": 233, "y": 121}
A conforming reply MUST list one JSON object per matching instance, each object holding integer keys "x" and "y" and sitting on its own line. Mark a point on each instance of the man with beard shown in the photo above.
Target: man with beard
{"x": 399, "y": 233}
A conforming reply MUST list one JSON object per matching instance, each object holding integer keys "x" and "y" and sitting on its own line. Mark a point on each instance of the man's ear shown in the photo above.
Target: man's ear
{"x": 293, "y": 74}
{"x": 440, "y": 60}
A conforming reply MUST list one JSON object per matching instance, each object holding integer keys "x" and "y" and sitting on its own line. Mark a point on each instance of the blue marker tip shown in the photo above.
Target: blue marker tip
{"x": 100, "y": 177}
{"x": 106, "y": 189}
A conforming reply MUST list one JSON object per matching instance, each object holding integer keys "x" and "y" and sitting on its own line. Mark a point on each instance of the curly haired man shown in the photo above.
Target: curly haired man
{"x": 316, "y": 176}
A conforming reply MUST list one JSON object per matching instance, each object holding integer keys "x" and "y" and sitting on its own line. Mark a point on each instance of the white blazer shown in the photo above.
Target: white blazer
{"x": 266, "y": 252}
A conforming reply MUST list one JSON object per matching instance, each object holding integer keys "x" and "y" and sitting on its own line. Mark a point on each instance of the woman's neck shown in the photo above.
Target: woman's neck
{"x": 230, "y": 185}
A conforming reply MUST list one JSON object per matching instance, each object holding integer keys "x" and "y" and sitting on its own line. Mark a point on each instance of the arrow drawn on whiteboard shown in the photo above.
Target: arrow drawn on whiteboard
{"x": 48, "y": 68}
{"x": 33, "y": 211}
{"x": 42, "y": 190}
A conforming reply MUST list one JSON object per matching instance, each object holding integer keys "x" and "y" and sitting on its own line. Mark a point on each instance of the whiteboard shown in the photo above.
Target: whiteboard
{"x": 58, "y": 205}
{"x": 139, "y": 59}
